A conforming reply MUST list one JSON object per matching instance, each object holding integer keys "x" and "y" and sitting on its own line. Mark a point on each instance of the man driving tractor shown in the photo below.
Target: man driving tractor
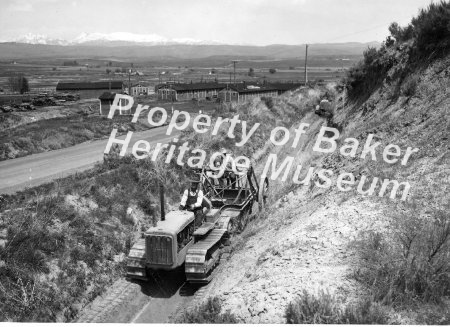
{"x": 192, "y": 200}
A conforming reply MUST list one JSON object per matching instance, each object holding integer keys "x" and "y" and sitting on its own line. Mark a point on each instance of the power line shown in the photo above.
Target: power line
{"x": 386, "y": 24}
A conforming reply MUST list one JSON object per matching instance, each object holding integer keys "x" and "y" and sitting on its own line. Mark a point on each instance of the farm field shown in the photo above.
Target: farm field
{"x": 47, "y": 73}
{"x": 50, "y": 128}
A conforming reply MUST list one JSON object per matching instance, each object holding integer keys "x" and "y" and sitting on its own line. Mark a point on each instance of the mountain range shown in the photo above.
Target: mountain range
{"x": 130, "y": 46}
{"x": 108, "y": 39}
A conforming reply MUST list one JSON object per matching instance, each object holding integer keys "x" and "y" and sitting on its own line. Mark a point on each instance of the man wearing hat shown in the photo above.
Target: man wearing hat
{"x": 229, "y": 176}
{"x": 192, "y": 200}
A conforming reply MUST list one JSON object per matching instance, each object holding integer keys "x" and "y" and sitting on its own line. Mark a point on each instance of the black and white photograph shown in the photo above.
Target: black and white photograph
{"x": 225, "y": 162}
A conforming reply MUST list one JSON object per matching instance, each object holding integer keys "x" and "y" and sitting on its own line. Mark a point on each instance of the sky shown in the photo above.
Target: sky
{"x": 258, "y": 22}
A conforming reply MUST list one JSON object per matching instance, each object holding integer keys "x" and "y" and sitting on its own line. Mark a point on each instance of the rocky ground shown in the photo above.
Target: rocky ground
{"x": 305, "y": 240}
{"x": 303, "y": 244}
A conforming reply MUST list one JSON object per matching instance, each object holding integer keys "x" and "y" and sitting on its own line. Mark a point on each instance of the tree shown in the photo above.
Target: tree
{"x": 399, "y": 33}
{"x": 395, "y": 30}
{"x": 251, "y": 72}
{"x": 19, "y": 84}
{"x": 108, "y": 70}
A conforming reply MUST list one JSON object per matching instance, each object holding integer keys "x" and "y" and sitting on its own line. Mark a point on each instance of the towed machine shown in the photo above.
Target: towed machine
{"x": 176, "y": 240}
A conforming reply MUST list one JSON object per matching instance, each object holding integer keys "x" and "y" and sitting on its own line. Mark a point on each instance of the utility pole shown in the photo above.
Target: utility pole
{"x": 306, "y": 69}
{"x": 129, "y": 81}
{"x": 345, "y": 83}
{"x": 234, "y": 70}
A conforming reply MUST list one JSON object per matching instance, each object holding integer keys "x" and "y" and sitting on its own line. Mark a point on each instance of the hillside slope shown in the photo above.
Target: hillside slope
{"x": 314, "y": 238}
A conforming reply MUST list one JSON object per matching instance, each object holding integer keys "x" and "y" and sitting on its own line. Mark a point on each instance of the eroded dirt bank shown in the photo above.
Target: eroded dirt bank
{"x": 306, "y": 238}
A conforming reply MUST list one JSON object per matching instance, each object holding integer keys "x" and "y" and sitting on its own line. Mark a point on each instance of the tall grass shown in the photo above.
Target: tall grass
{"x": 209, "y": 312}
{"x": 325, "y": 308}
{"x": 59, "y": 255}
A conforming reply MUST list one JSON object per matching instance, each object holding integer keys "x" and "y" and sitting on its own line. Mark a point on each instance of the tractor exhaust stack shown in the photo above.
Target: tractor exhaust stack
{"x": 161, "y": 197}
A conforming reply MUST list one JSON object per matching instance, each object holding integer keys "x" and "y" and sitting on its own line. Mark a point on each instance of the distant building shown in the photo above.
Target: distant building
{"x": 188, "y": 91}
{"x": 139, "y": 89}
{"x": 88, "y": 90}
{"x": 284, "y": 87}
{"x": 242, "y": 92}
{"x": 107, "y": 99}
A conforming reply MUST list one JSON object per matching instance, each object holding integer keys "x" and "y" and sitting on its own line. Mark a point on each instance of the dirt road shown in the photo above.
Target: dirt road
{"x": 17, "y": 174}
{"x": 157, "y": 300}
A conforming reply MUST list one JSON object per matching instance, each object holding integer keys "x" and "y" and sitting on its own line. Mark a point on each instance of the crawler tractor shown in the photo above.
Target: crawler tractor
{"x": 176, "y": 240}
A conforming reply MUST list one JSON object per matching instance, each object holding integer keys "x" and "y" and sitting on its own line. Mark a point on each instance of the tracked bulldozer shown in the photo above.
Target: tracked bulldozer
{"x": 176, "y": 240}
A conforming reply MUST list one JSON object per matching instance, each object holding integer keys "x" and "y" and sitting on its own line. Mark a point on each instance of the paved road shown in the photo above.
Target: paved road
{"x": 17, "y": 174}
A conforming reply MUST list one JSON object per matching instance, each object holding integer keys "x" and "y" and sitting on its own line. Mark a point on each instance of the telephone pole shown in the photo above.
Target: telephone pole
{"x": 306, "y": 67}
{"x": 234, "y": 70}
{"x": 129, "y": 81}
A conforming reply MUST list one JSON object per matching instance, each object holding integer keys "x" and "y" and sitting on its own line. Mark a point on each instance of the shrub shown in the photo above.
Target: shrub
{"x": 409, "y": 87}
{"x": 364, "y": 78}
{"x": 428, "y": 37}
{"x": 268, "y": 101}
{"x": 208, "y": 313}
{"x": 326, "y": 309}
{"x": 272, "y": 70}
{"x": 410, "y": 265}
{"x": 432, "y": 29}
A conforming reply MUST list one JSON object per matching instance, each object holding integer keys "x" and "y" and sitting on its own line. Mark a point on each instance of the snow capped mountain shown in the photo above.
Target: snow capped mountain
{"x": 119, "y": 36}
{"x": 39, "y": 39}
{"x": 110, "y": 38}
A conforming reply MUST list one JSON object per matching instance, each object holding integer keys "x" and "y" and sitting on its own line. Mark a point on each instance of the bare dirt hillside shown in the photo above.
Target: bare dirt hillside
{"x": 308, "y": 237}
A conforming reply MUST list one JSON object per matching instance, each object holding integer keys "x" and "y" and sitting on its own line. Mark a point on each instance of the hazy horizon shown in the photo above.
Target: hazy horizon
{"x": 248, "y": 22}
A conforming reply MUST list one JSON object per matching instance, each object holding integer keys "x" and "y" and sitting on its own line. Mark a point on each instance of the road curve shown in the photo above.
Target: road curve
{"x": 35, "y": 169}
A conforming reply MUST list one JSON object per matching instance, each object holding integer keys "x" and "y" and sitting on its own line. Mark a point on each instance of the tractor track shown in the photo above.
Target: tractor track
{"x": 102, "y": 307}
{"x": 162, "y": 299}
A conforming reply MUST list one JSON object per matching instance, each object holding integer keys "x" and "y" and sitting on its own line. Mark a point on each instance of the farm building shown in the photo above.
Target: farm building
{"x": 106, "y": 100}
{"x": 186, "y": 91}
{"x": 243, "y": 92}
{"x": 139, "y": 89}
{"x": 88, "y": 90}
